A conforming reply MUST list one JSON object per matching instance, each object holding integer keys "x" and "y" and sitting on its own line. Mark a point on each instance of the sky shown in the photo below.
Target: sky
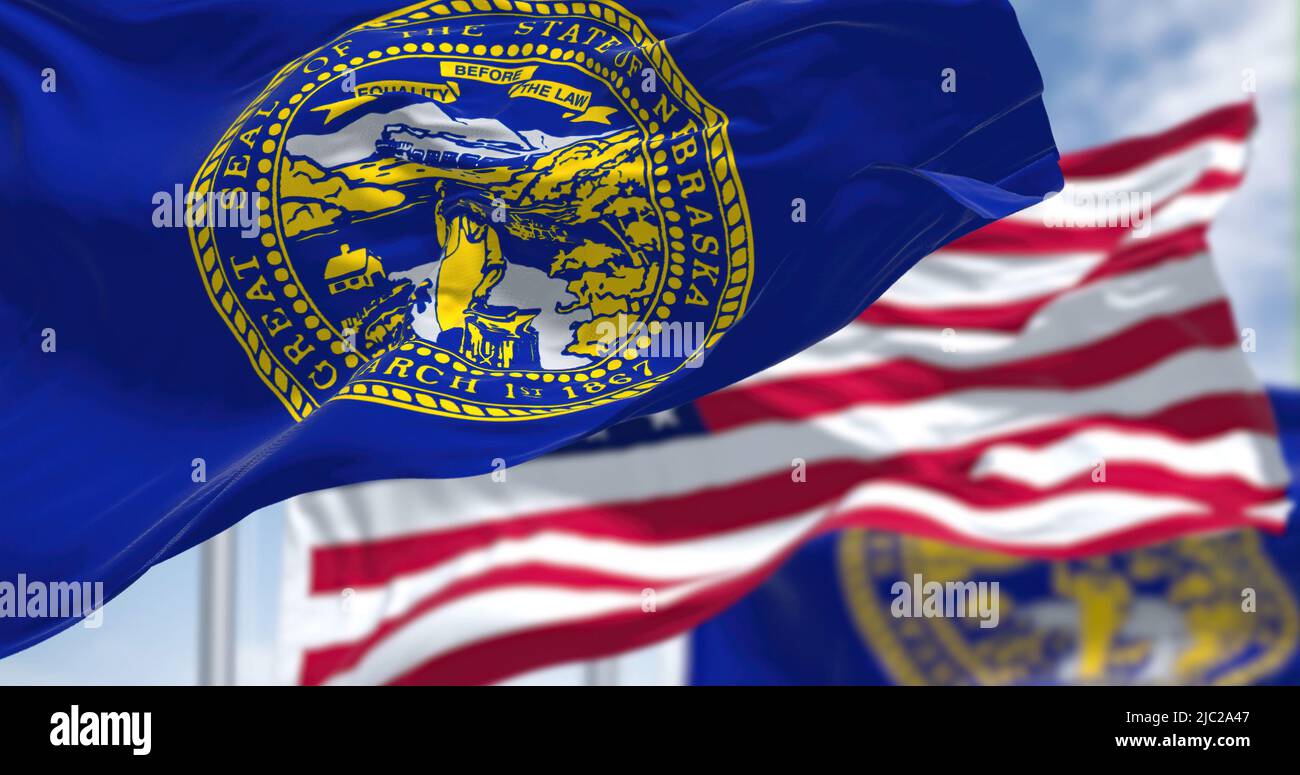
{"x": 1112, "y": 69}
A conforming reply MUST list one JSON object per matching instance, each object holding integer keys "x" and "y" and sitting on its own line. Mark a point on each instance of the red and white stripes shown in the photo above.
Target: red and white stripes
{"x": 1033, "y": 388}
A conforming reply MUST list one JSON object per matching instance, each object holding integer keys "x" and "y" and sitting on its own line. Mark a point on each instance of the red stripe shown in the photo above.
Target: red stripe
{"x": 322, "y": 663}
{"x": 1007, "y": 317}
{"x": 1214, "y": 181}
{"x": 709, "y": 512}
{"x": 1011, "y": 238}
{"x": 1138, "y": 255}
{"x": 495, "y": 659}
{"x": 1116, "y": 357}
{"x": 1231, "y": 122}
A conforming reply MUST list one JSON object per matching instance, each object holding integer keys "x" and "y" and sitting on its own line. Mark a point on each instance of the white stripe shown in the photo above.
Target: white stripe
{"x": 383, "y": 509}
{"x": 1163, "y": 178}
{"x": 1050, "y": 522}
{"x": 1276, "y": 511}
{"x": 1243, "y": 454}
{"x": 1179, "y": 213}
{"x": 1187, "y": 211}
{"x": 951, "y": 279}
{"x": 1071, "y": 320}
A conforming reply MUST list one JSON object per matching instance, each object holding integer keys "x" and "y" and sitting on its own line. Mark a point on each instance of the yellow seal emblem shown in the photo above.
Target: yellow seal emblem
{"x": 484, "y": 210}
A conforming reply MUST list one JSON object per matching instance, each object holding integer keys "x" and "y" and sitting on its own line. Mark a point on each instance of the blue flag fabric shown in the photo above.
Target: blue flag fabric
{"x": 262, "y": 249}
{"x": 1217, "y": 608}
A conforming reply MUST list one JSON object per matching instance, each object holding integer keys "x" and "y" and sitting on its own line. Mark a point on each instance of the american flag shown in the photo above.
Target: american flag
{"x": 1033, "y": 388}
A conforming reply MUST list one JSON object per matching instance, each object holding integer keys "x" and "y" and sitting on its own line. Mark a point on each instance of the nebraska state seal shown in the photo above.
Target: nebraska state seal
{"x": 1167, "y": 613}
{"x": 487, "y": 210}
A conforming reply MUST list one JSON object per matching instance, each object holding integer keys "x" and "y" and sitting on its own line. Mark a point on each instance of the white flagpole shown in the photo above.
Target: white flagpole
{"x": 217, "y": 610}
{"x": 600, "y": 672}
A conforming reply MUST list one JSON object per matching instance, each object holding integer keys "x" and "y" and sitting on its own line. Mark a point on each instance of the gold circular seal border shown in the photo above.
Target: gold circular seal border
{"x": 733, "y": 208}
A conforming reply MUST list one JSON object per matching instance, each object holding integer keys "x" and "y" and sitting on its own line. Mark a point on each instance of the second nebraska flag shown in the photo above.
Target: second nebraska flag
{"x": 269, "y": 250}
